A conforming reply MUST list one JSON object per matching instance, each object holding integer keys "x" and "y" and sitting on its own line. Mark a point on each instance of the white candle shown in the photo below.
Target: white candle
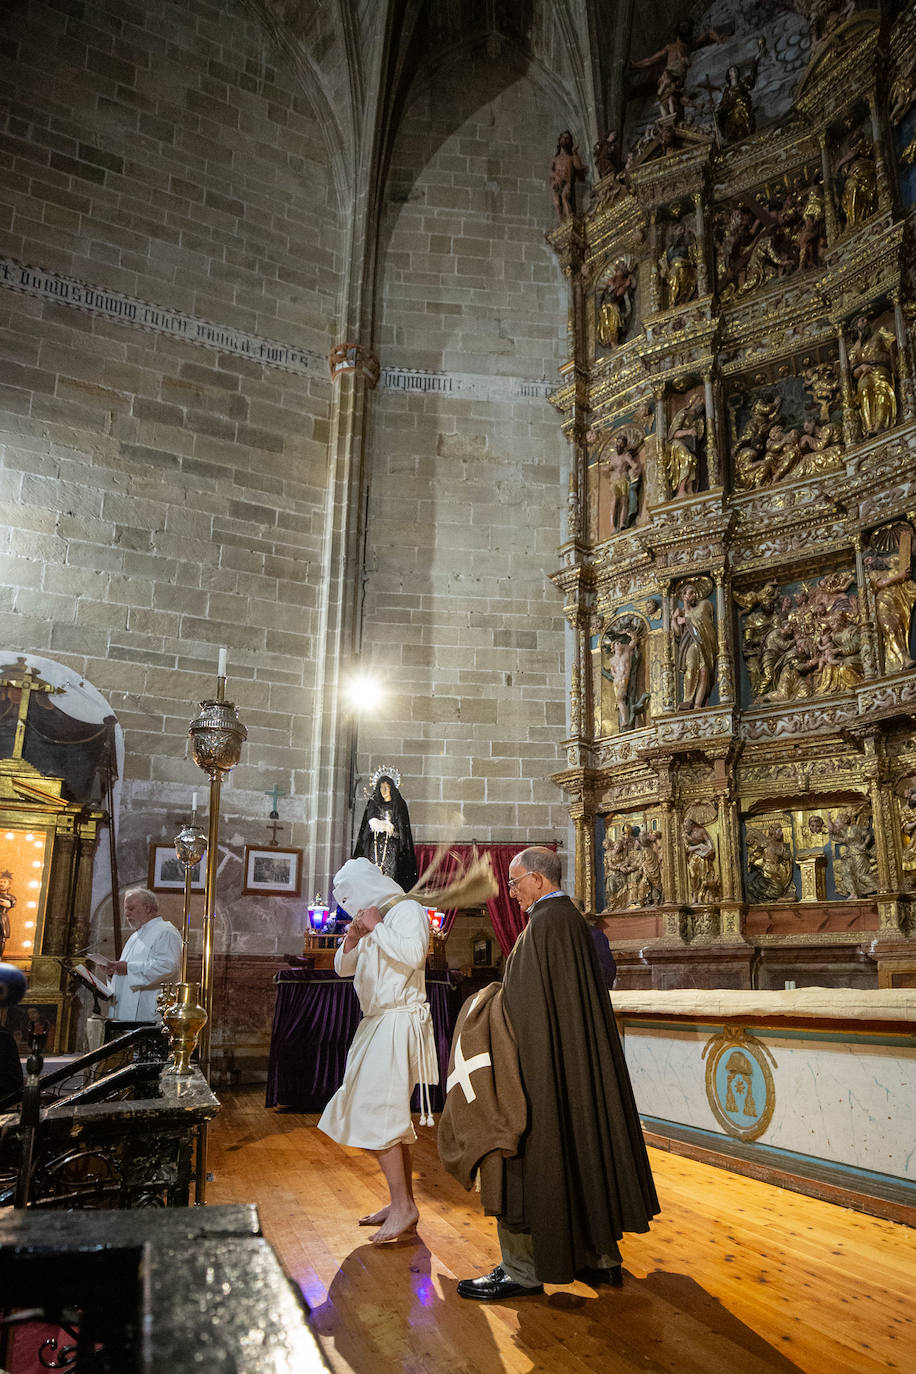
{"x": 221, "y": 670}
{"x": 194, "y": 801}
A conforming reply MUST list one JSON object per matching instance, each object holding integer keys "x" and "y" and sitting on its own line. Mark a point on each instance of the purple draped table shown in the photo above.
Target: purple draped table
{"x": 316, "y": 1018}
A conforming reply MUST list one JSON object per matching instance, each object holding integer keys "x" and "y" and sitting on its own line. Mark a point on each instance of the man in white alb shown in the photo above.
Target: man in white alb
{"x": 151, "y": 957}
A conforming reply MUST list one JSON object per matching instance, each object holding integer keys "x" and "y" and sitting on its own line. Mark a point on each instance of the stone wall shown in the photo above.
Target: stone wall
{"x": 468, "y": 486}
{"x": 161, "y": 497}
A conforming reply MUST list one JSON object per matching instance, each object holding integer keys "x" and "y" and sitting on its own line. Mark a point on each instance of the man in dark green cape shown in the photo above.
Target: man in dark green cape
{"x": 581, "y": 1177}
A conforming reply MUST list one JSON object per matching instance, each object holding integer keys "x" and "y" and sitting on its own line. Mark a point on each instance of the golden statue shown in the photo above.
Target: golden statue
{"x": 872, "y": 359}
{"x": 702, "y": 879}
{"x": 693, "y": 625}
{"x": 685, "y": 434}
{"x": 678, "y": 266}
{"x": 616, "y": 306}
{"x": 895, "y": 596}
{"x": 859, "y": 197}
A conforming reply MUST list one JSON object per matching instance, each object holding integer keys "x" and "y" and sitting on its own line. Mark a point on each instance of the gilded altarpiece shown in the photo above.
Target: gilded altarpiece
{"x": 739, "y": 567}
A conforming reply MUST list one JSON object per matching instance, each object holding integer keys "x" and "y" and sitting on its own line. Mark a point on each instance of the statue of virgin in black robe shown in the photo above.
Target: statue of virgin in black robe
{"x": 384, "y": 836}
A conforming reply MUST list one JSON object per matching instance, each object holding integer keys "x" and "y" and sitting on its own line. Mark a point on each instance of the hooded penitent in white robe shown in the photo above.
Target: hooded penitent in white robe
{"x": 393, "y": 1048}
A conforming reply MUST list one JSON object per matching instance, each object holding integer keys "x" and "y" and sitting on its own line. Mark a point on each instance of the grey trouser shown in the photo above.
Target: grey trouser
{"x": 518, "y": 1256}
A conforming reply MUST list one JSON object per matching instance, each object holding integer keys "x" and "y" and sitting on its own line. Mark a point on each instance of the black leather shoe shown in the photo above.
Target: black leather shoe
{"x": 496, "y": 1286}
{"x": 612, "y": 1276}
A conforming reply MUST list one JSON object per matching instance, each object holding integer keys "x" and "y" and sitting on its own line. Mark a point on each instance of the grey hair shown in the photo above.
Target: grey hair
{"x": 543, "y": 861}
{"x": 149, "y": 898}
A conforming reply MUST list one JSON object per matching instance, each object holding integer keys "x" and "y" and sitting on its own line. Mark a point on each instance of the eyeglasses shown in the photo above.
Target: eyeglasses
{"x": 514, "y": 882}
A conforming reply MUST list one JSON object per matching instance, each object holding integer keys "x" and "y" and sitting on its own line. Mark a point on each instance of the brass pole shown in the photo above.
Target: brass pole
{"x": 206, "y": 967}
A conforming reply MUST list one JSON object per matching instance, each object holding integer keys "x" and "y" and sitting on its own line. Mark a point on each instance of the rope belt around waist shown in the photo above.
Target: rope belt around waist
{"x": 426, "y": 1062}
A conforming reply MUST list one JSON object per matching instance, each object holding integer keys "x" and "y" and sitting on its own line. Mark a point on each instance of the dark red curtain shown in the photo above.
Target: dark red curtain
{"x": 506, "y": 916}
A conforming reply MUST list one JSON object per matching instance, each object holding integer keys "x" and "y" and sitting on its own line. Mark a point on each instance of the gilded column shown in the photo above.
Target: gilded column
{"x": 885, "y": 199}
{"x": 703, "y": 255}
{"x": 712, "y": 432}
{"x": 830, "y": 220}
{"x": 585, "y": 866}
{"x": 668, "y": 702}
{"x": 904, "y": 359}
{"x": 850, "y": 414}
{"x": 870, "y": 660}
{"x": 60, "y": 894}
{"x": 654, "y": 292}
{"x": 724, "y": 667}
{"x": 82, "y": 894}
{"x": 660, "y": 489}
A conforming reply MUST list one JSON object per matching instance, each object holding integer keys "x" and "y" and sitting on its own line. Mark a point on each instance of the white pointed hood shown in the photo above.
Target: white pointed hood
{"x": 360, "y": 884}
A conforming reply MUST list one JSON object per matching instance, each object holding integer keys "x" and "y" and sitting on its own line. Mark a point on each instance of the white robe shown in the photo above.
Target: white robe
{"x": 394, "y": 1047}
{"x": 153, "y": 957}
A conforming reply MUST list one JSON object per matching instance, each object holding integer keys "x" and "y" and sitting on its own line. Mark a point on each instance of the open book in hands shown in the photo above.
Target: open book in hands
{"x": 94, "y": 981}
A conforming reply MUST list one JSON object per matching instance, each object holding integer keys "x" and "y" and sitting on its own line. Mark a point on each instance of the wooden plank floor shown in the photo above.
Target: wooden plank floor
{"x": 735, "y": 1275}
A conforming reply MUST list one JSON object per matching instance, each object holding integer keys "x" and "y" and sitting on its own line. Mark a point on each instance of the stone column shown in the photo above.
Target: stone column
{"x": 82, "y": 892}
{"x": 830, "y": 220}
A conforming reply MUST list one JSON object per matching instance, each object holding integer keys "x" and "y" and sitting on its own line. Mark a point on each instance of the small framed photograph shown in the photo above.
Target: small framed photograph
{"x": 166, "y": 874}
{"x": 272, "y": 872}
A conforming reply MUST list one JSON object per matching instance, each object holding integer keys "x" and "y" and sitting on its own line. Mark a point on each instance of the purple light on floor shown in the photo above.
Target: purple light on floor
{"x": 424, "y": 1289}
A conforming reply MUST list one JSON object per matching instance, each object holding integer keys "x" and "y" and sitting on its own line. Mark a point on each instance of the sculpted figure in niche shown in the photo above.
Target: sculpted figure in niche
{"x": 623, "y": 470}
{"x": 565, "y": 170}
{"x": 750, "y": 468}
{"x": 621, "y": 656}
{"x": 759, "y": 607}
{"x": 616, "y": 307}
{"x": 678, "y": 265}
{"x": 854, "y": 869}
{"x": 733, "y": 250}
{"x": 682, "y": 447}
{"x": 606, "y": 153}
{"x": 677, "y": 54}
{"x": 649, "y": 868}
{"x": 735, "y": 111}
{"x": 617, "y": 867}
{"x": 770, "y": 864}
{"x": 773, "y": 252}
{"x": 702, "y": 880}
{"x": 810, "y": 238}
{"x": 908, "y": 832}
{"x": 859, "y": 196}
{"x": 693, "y": 625}
{"x": 894, "y": 592}
{"x": 873, "y": 360}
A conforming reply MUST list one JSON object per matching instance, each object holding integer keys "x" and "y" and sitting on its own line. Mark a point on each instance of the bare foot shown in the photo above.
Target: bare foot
{"x": 396, "y": 1224}
{"x": 375, "y": 1218}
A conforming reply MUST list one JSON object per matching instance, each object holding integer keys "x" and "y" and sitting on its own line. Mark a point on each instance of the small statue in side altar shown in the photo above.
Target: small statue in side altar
{"x": 7, "y": 902}
{"x": 566, "y": 169}
{"x": 385, "y": 837}
{"x": 873, "y": 360}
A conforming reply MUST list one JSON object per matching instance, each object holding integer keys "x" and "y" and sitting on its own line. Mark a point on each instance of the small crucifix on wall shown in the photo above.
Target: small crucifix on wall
{"x": 275, "y": 796}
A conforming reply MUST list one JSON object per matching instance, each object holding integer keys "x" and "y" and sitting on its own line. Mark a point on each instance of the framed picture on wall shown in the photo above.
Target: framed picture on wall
{"x": 166, "y": 874}
{"x": 272, "y": 872}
